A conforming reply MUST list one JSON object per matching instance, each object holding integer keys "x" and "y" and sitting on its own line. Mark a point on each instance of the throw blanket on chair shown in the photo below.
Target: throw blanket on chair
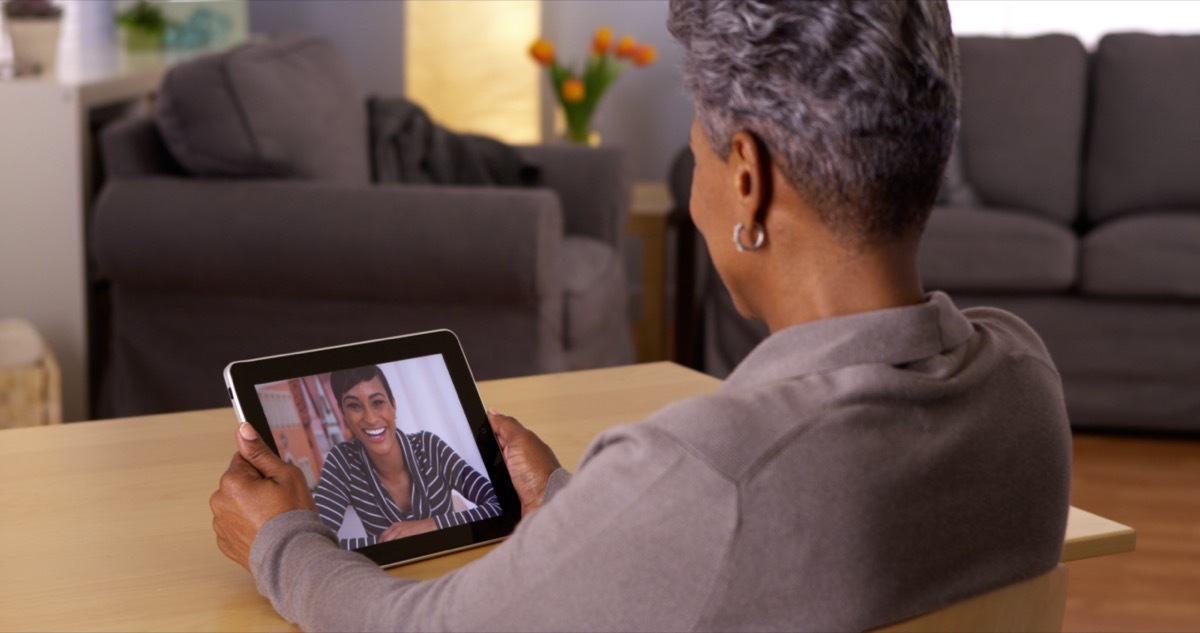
{"x": 407, "y": 146}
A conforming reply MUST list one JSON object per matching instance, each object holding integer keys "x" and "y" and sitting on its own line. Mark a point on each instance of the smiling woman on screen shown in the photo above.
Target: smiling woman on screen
{"x": 397, "y": 484}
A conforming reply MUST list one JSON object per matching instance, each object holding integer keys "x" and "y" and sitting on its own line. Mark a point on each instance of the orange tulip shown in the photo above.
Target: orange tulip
{"x": 602, "y": 40}
{"x": 572, "y": 90}
{"x": 626, "y": 46}
{"x": 542, "y": 51}
{"x": 645, "y": 55}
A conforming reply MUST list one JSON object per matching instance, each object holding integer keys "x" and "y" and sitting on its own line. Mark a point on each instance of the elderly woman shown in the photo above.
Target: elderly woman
{"x": 882, "y": 454}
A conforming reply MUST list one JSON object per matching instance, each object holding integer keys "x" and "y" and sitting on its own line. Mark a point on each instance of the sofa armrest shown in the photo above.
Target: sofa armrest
{"x": 592, "y": 184}
{"x": 132, "y": 148}
{"x": 333, "y": 241}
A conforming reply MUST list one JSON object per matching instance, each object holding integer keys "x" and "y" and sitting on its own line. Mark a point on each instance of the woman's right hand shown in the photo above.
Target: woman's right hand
{"x": 530, "y": 462}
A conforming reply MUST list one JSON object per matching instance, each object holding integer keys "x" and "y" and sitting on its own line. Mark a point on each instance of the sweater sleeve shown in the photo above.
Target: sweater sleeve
{"x": 605, "y": 552}
{"x": 558, "y": 480}
{"x": 311, "y": 546}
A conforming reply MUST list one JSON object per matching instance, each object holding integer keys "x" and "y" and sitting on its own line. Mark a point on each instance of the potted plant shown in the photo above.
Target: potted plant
{"x": 143, "y": 26}
{"x": 578, "y": 89}
{"x": 33, "y": 27}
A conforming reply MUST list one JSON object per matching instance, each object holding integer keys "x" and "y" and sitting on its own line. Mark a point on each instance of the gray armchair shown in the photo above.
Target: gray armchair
{"x": 205, "y": 270}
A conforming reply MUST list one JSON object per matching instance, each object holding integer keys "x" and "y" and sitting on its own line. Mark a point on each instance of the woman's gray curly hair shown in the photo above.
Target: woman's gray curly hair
{"x": 855, "y": 100}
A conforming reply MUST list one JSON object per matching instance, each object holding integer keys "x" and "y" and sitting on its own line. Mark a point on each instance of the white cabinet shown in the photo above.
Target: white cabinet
{"x": 46, "y": 186}
{"x": 47, "y": 175}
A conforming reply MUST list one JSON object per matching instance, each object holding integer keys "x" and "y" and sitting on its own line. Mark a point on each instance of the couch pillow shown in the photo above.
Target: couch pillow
{"x": 590, "y": 268}
{"x": 1144, "y": 143}
{"x": 1155, "y": 255}
{"x": 287, "y": 107}
{"x": 1023, "y": 105}
{"x": 596, "y": 330}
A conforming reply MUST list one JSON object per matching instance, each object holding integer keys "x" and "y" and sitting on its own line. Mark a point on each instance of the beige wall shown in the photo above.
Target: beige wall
{"x": 466, "y": 64}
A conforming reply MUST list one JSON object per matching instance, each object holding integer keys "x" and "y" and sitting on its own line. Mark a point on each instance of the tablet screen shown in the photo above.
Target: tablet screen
{"x": 391, "y": 437}
{"x": 382, "y": 447}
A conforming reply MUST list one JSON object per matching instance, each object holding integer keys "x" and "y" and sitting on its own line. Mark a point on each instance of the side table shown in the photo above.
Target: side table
{"x": 650, "y": 218}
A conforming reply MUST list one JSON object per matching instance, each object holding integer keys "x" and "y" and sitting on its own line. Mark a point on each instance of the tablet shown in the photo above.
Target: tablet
{"x": 392, "y": 438}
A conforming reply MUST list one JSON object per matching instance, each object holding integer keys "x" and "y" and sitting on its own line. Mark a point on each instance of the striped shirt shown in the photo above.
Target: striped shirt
{"x": 349, "y": 480}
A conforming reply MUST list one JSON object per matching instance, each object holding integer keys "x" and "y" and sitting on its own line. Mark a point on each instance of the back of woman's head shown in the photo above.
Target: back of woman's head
{"x": 856, "y": 101}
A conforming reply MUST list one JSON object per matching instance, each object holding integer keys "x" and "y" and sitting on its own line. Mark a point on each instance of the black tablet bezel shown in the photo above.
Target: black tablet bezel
{"x": 242, "y": 376}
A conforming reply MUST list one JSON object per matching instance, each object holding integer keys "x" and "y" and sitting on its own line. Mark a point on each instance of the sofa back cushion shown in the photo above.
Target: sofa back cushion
{"x": 1144, "y": 143}
{"x": 1021, "y": 135}
{"x": 287, "y": 107}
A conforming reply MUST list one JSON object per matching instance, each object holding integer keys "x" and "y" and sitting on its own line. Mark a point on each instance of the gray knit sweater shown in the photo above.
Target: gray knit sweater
{"x": 850, "y": 473}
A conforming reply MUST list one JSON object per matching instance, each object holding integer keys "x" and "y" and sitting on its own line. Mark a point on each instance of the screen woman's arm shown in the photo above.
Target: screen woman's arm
{"x": 460, "y": 476}
{"x": 332, "y": 497}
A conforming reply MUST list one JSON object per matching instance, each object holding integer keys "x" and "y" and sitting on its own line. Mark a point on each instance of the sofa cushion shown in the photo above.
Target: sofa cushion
{"x": 1023, "y": 104}
{"x": 281, "y": 108}
{"x": 594, "y": 286}
{"x": 1146, "y": 255}
{"x": 982, "y": 250}
{"x": 1144, "y": 143}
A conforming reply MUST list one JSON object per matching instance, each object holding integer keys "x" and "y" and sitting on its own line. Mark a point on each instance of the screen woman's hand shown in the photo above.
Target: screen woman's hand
{"x": 404, "y": 529}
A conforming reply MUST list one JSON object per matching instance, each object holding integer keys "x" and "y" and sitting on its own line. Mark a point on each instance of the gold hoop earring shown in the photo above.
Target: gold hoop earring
{"x": 758, "y": 240}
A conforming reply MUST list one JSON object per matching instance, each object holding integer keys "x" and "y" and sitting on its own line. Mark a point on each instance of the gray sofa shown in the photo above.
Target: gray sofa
{"x": 1080, "y": 212}
{"x": 241, "y": 220}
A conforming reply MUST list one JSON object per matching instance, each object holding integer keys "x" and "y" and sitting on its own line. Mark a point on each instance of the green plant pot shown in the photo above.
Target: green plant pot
{"x": 141, "y": 40}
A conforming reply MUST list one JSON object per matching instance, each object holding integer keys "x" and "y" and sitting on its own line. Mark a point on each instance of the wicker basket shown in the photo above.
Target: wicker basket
{"x": 31, "y": 396}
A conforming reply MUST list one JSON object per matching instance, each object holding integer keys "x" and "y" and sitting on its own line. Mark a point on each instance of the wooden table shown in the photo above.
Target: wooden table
{"x": 105, "y": 525}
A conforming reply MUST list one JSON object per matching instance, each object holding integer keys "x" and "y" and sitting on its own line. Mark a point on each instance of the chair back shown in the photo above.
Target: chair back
{"x": 1032, "y": 605}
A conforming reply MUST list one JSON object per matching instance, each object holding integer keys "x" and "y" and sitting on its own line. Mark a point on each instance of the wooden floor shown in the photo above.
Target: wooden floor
{"x": 1153, "y": 485}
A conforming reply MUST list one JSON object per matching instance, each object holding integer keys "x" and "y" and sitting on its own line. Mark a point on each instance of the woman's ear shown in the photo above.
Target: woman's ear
{"x": 751, "y": 167}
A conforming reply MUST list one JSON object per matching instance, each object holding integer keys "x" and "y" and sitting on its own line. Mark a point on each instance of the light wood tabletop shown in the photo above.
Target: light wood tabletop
{"x": 105, "y": 525}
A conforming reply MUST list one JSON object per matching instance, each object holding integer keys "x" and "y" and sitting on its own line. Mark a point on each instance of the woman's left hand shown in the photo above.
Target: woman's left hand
{"x": 401, "y": 529}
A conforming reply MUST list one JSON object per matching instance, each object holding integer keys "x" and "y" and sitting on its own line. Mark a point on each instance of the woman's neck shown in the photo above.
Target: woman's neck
{"x": 390, "y": 465}
{"x": 394, "y": 476}
{"x": 849, "y": 281}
